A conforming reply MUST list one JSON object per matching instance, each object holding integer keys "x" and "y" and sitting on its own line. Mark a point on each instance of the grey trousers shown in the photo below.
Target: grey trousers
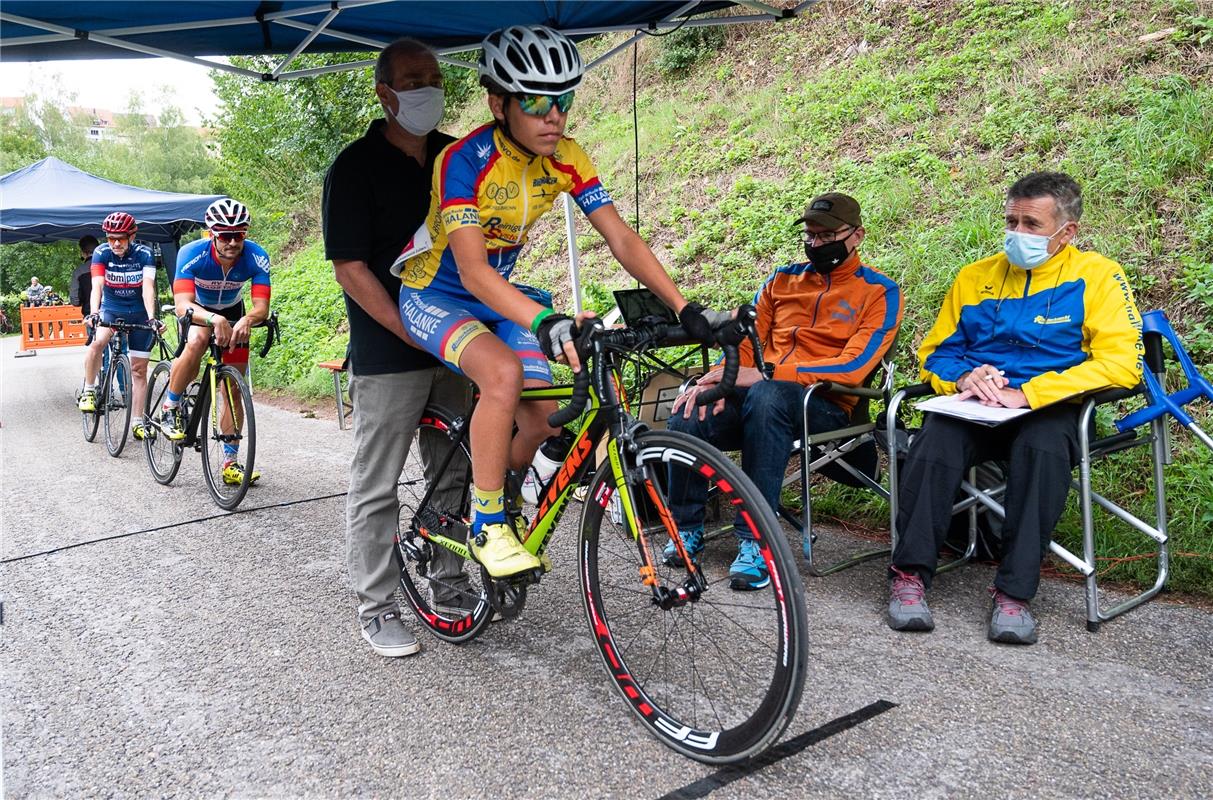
{"x": 386, "y": 411}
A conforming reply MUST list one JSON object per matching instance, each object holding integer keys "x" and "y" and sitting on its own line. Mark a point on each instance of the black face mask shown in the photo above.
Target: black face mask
{"x": 826, "y": 257}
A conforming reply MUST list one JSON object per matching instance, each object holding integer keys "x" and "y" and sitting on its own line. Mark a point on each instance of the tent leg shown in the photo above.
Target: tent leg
{"x": 570, "y": 232}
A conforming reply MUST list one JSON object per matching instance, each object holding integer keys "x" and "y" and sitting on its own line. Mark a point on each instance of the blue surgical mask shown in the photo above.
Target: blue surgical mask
{"x": 420, "y": 110}
{"x": 1027, "y": 250}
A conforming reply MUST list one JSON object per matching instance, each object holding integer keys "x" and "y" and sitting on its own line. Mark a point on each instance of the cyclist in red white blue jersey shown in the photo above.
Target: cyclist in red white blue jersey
{"x": 211, "y": 274}
{"x": 124, "y": 288}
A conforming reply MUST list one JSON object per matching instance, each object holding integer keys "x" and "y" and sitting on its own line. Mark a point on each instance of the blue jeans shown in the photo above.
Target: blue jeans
{"x": 763, "y": 421}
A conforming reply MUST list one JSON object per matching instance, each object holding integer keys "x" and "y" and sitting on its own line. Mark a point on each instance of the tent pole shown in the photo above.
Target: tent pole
{"x": 570, "y": 232}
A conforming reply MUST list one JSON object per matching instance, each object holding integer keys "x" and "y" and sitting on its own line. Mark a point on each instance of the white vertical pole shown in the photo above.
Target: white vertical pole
{"x": 570, "y": 231}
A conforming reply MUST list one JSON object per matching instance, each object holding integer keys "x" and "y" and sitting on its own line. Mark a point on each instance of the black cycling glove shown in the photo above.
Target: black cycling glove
{"x": 700, "y": 322}
{"x": 553, "y": 332}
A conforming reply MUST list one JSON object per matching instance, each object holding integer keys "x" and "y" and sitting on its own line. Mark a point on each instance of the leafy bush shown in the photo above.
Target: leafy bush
{"x": 686, "y": 47}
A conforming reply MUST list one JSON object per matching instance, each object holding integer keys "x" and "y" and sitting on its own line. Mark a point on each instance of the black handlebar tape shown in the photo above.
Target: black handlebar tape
{"x": 732, "y": 365}
{"x": 271, "y": 333}
{"x": 183, "y": 331}
{"x": 581, "y": 380}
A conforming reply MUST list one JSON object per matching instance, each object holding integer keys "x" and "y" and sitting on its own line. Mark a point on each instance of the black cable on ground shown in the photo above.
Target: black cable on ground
{"x": 173, "y": 525}
{"x": 726, "y": 775}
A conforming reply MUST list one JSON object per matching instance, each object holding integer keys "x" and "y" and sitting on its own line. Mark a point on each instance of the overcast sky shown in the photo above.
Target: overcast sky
{"x": 108, "y": 83}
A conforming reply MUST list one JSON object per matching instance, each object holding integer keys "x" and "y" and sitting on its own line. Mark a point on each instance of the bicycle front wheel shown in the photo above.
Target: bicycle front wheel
{"x": 116, "y": 404}
{"x": 163, "y": 455}
{"x": 714, "y": 673}
{"x": 228, "y": 438}
{"x": 445, "y": 591}
{"x": 89, "y": 422}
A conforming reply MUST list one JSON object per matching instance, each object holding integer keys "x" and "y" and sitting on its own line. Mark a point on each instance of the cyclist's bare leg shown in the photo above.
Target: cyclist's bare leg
{"x": 533, "y": 427}
{"x": 496, "y": 370}
{"x": 139, "y": 381}
{"x": 92, "y": 359}
{"x": 185, "y": 367}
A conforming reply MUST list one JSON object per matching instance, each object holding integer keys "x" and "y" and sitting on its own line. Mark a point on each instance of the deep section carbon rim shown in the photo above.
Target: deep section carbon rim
{"x": 717, "y": 675}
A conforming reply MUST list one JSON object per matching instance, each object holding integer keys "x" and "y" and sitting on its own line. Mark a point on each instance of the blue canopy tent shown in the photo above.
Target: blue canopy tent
{"x": 38, "y": 30}
{"x": 51, "y": 200}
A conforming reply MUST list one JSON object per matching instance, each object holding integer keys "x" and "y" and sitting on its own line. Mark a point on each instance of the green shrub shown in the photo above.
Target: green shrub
{"x": 686, "y": 47}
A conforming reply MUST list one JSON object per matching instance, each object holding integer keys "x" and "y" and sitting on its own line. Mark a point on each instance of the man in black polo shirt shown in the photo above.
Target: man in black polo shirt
{"x": 376, "y": 194}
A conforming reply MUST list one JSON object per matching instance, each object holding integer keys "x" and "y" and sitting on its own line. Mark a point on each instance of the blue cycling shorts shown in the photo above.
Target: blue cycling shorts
{"x": 443, "y": 326}
{"x": 140, "y": 341}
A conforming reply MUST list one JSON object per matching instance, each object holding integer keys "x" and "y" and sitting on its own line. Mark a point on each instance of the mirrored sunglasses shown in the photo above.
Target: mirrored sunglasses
{"x": 230, "y": 236}
{"x": 539, "y": 105}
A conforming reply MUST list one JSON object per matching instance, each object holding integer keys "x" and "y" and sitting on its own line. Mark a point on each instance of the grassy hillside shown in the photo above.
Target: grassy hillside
{"x": 926, "y": 112}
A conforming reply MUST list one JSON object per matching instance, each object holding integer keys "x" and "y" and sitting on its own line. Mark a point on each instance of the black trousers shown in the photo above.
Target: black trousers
{"x": 1042, "y": 450}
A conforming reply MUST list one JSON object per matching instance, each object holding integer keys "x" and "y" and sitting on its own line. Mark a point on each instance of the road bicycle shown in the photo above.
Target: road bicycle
{"x": 114, "y": 390}
{"x": 713, "y": 673}
{"x": 218, "y": 411}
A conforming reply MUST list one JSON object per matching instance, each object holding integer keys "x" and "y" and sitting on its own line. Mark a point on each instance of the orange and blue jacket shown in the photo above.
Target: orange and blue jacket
{"x": 831, "y": 327}
{"x": 1065, "y": 328}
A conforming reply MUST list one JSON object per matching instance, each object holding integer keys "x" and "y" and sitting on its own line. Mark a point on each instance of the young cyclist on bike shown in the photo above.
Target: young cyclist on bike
{"x": 211, "y": 274}
{"x": 489, "y": 189}
{"x": 124, "y": 287}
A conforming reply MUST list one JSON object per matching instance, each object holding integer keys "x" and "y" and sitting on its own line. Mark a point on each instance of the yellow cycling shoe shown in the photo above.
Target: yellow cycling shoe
{"x": 141, "y": 431}
{"x": 500, "y": 551}
{"x": 88, "y": 401}
{"x": 521, "y": 529}
{"x": 233, "y": 473}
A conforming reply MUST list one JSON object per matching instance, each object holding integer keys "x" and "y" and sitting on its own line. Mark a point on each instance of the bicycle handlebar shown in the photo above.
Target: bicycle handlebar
{"x": 595, "y": 337}
{"x": 118, "y": 325}
{"x": 187, "y": 320}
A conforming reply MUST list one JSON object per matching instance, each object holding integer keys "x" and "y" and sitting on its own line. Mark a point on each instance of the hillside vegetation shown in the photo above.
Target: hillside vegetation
{"x": 926, "y": 112}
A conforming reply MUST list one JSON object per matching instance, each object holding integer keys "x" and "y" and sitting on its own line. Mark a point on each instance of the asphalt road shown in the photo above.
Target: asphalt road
{"x": 218, "y": 655}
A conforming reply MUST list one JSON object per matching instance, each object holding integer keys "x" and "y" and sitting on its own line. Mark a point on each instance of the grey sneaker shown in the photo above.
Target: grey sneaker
{"x": 387, "y": 635}
{"x": 908, "y": 603}
{"x": 1011, "y": 621}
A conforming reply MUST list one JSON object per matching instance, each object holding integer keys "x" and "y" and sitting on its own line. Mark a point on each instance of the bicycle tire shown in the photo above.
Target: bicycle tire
{"x": 116, "y": 403}
{"x": 90, "y": 421}
{"x": 163, "y": 455}
{"x": 750, "y": 649}
{"x": 228, "y": 495}
{"x": 445, "y": 512}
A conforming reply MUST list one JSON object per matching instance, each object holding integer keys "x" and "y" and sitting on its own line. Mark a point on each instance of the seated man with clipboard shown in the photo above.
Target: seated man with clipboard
{"x": 1031, "y": 327}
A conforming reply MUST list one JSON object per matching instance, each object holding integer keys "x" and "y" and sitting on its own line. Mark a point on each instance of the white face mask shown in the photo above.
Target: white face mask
{"x": 420, "y": 110}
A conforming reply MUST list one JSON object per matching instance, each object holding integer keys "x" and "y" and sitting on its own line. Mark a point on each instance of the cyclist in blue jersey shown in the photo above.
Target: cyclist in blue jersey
{"x": 457, "y": 302}
{"x": 124, "y": 287}
{"x": 211, "y": 274}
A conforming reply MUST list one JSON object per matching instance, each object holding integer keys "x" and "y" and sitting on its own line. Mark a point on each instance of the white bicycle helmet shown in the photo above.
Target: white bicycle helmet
{"x": 534, "y": 60}
{"x": 226, "y": 214}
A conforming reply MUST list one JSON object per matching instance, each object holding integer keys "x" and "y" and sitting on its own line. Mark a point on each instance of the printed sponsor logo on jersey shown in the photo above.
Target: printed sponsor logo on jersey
{"x": 501, "y": 194}
{"x": 459, "y": 217}
{"x": 497, "y": 228}
{"x": 119, "y": 277}
{"x": 483, "y": 151}
{"x": 987, "y": 289}
{"x": 263, "y": 262}
{"x": 595, "y": 197}
{"x": 546, "y": 180}
{"x": 459, "y": 339}
{"x": 847, "y": 314}
{"x": 217, "y": 285}
{"x": 1041, "y": 319}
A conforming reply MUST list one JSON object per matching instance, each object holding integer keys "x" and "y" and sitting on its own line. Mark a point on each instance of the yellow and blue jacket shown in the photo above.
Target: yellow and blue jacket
{"x": 1065, "y": 328}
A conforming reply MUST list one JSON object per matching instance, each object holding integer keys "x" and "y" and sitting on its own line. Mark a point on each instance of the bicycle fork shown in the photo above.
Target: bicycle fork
{"x": 628, "y": 477}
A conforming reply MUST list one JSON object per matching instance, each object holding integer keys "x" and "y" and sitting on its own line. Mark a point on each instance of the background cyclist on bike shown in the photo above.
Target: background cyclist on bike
{"x": 124, "y": 287}
{"x": 490, "y": 188}
{"x": 211, "y": 274}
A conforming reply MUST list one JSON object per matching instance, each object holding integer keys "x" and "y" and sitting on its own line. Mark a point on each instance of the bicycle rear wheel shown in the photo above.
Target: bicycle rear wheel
{"x": 228, "y": 434}
{"x": 717, "y": 674}
{"x": 117, "y": 403}
{"x": 163, "y": 455}
{"x": 446, "y": 592}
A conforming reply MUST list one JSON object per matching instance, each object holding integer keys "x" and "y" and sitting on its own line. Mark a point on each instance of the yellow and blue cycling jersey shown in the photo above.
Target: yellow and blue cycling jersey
{"x": 1067, "y": 327}
{"x": 484, "y": 181}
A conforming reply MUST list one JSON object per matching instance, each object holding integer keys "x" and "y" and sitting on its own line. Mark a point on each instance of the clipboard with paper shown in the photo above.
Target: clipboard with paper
{"x": 971, "y": 410}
